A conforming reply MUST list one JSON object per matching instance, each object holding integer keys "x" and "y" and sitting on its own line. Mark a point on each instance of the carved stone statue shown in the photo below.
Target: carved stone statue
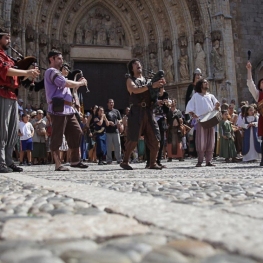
{"x": 88, "y": 35}
{"x": 183, "y": 65}
{"x": 112, "y": 37}
{"x": 168, "y": 66}
{"x": 43, "y": 39}
{"x": 217, "y": 60}
{"x": 30, "y": 33}
{"x": 200, "y": 58}
{"x": 102, "y": 37}
{"x": 30, "y": 51}
{"x": 153, "y": 63}
{"x": 79, "y": 35}
{"x": 120, "y": 34}
{"x": 167, "y": 44}
{"x": 152, "y": 47}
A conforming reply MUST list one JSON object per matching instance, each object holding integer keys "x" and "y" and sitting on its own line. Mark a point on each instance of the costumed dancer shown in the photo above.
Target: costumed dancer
{"x": 8, "y": 104}
{"x": 257, "y": 93}
{"x": 200, "y": 104}
{"x": 141, "y": 120}
{"x": 251, "y": 145}
{"x": 227, "y": 147}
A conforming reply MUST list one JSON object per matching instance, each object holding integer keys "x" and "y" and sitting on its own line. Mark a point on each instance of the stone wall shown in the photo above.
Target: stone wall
{"x": 247, "y": 26}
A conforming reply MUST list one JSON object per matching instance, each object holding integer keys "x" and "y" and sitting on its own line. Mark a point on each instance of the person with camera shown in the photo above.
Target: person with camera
{"x": 174, "y": 134}
{"x": 141, "y": 120}
{"x": 100, "y": 124}
{"x": 160, "y": 113}
{"x": 59, "y": 99}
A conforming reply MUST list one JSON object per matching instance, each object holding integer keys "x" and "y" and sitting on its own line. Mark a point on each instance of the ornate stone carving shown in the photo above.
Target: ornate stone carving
{"x": 66, "y": 48}
{"x": 99, "y": 27}
{"x": 217, "y": 61}
{"x": 182, "y": 42}
{"x": 168, "y": 66}
{"x": 167, "y": 44}
{"x": 153, "y": 63}
{"x": 55, "y": 44}
{"x": 30, "y": 49}
{"x": 152, "y": 47}
{"x": 199, "y": 37}
{"x": 194, "y": 11}
{"x": 216, "y": 35}
{"x": 16, "y": 27}
{"x": 16, "y": 7}
{"x": 79, "y": 35}
{"x": 43, "y": 39}
{"x": 200, "y": 58}
{"x": 137, "y": 51}
{"x": 183, "y": 65}
{"x": 30, "y": 34}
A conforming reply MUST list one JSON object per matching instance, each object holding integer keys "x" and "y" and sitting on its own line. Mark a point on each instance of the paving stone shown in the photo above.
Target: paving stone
{"x": 39, "y": 259}
{"x": 60, "y": 247}
{"x": 164, "y": 254}
{"x": 60, "y": 227}
{"x": 16, "y": 255}
{"x": 192, "y": 248}
{"x": 227, "y": 259}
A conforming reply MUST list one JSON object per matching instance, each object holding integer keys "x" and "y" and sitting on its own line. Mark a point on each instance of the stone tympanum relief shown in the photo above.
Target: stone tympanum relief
{"x": 99, "y": 27}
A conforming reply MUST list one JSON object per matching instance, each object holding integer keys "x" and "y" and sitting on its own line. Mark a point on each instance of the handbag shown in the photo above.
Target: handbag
{"x": 57, "y": 104}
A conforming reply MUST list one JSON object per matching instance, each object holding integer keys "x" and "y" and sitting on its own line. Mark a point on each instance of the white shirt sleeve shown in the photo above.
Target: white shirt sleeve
{"x": 252, "y": 88}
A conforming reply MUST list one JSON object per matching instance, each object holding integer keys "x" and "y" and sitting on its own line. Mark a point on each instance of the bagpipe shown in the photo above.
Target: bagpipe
{"x": 39, "y": 85}
{"x": 153, "y": 77}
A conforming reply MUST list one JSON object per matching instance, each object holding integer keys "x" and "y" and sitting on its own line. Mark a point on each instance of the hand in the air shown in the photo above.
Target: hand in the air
{"x": 249, "y": 66}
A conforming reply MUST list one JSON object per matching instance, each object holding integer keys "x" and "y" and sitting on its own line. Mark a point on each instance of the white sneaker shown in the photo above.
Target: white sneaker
{"x": 66, "y": 164}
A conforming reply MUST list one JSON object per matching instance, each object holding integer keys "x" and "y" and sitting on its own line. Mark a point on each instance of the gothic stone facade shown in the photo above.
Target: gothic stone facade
{"x": 174, "y": 35}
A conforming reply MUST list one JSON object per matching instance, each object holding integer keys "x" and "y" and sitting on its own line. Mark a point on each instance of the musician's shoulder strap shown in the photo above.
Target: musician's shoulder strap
{"x": 54, "y": 76}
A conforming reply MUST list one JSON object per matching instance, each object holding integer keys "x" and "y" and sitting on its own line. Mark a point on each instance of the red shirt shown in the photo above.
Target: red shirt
{"x": 11, "y": 82}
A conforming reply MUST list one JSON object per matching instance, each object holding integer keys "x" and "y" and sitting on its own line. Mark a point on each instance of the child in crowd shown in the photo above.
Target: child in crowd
{"x": 26, "y": 132}
{"x": 227, "y": 145}
{"x": 251, "y": 146}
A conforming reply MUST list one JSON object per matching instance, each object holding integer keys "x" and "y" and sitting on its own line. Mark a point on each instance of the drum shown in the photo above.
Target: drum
{"x": 211, "y": 119}
{"x": 260, "y": 107}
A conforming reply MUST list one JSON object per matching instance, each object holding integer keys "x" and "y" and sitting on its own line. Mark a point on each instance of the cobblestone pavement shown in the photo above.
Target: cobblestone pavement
{"x": 105, "y": 214}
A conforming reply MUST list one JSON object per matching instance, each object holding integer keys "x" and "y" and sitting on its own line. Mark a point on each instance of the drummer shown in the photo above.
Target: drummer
{"x": 201, "y": 103}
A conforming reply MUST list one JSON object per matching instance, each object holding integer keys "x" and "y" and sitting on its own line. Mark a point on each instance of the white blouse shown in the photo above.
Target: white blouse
{"x": 252, "y": 88}
{"x": 250, "y": 119}
{"x": 200, "y": 105}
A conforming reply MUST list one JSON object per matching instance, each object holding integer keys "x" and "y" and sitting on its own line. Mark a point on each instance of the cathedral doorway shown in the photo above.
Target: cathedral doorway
{"x": 106, "y": 80}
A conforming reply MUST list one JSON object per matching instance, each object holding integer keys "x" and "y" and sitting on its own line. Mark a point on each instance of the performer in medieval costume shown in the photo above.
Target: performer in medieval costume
{"x": 8, "y": 104}
{"x": 257, "y": 93}
{"x": 251, "y": 145}
{"x": 227, "y": 145}
{"x": 191, "y": 88}
{"x": 200, "y": 104}
{"x": 174, "y": 137}
{"x": 141, "y": 120}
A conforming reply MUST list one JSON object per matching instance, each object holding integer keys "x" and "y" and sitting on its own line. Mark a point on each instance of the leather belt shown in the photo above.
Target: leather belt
{"x": 7, "y": 88}
{"x": 66, "y": 103}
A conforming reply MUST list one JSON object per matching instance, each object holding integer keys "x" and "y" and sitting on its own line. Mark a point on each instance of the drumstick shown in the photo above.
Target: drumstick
{"x": 248, "y": 55}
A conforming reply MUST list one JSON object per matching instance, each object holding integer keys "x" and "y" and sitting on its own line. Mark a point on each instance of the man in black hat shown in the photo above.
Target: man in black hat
{"x": 8, "y": 104}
